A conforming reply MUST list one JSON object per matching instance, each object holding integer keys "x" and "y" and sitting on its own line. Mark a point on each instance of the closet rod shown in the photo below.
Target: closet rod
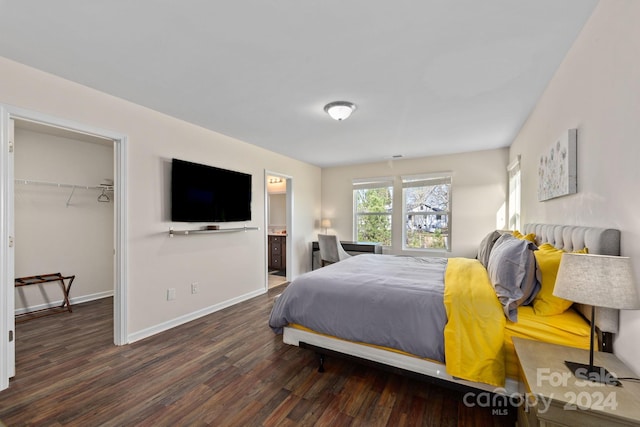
{"x": 61, "y": 185}
{"x": 103, "y": 187}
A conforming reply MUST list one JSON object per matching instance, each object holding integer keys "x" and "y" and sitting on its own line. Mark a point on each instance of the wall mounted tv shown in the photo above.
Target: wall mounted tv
{"x": 201, "y": 193}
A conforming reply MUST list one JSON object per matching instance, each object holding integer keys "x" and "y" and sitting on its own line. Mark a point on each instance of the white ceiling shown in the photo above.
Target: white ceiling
{"x": 429, "y": 77}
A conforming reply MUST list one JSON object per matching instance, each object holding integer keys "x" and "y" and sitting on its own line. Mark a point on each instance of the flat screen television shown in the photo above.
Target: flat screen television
{"x": 201, "y": 193}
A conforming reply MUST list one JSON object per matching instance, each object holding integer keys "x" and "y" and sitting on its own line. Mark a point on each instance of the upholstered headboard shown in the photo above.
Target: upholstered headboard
{"x": 602, "y": 241}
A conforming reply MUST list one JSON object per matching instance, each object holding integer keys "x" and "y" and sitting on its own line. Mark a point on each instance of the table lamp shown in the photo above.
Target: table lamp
{"x": 596, "y": 280}
{"x": 325, "y": 223}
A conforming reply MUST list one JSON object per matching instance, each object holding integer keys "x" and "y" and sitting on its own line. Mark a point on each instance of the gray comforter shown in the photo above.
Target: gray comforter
{"x": 387, "y": 300}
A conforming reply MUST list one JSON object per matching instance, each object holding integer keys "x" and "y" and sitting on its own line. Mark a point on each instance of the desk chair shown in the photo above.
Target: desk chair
{"x": 330, "y": 249}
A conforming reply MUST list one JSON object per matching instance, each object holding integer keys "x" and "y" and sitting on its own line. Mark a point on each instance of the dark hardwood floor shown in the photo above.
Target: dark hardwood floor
{"x": 225, "y": 369}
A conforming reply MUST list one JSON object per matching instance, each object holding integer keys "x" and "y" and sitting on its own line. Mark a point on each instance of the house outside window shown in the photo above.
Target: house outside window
{"x": 427, "y": 211}
{"x": 373, "y": 210}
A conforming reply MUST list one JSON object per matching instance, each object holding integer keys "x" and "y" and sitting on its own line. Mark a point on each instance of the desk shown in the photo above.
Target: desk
{"x": 46, "y": 278}
{"x": 354, "y": 248}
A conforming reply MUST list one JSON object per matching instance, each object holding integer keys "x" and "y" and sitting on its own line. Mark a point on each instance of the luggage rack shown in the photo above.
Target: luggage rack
{"x": 46, "y": 278}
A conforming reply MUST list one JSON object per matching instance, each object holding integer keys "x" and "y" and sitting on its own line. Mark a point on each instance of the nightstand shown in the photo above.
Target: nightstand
{"x": 553, "y": 396}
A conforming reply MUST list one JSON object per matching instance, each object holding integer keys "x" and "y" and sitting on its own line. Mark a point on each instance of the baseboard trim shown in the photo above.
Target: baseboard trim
{"x": 145, "y": 333}
{"x": 74, "y": 300}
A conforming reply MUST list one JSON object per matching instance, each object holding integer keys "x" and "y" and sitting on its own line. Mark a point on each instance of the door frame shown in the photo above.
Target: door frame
{"x": 7, "y": 194}
{"x": 290, "y": 230}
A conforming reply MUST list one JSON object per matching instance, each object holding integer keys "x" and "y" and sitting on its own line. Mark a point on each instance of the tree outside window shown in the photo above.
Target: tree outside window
{"x": 373, "y": 201}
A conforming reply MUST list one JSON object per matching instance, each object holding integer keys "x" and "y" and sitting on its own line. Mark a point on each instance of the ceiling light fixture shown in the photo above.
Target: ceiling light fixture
{"x": 340, "y": 110}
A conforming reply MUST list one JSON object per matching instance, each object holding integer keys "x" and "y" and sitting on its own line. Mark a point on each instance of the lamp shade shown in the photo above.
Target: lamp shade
{"x": 325, "y": 223}
{"x": 597, "y": 280}
{"x": 339, "y": 110}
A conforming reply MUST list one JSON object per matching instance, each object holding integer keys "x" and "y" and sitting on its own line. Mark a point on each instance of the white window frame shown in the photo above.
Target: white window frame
{"x": 515, "y": 191}
{"x": 423, "y": 180}
{"x": 368, "y": 184}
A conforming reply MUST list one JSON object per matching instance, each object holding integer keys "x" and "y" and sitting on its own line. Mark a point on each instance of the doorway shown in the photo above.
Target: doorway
{"x": 278, "y": 227}
{"x": 63, "y": 216}
{"x": 8, "y": 117}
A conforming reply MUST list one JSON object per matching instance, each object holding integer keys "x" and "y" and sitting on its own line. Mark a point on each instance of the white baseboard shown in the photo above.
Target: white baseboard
{"x": 137, "y": 336}
{"x": 74, "y": 300}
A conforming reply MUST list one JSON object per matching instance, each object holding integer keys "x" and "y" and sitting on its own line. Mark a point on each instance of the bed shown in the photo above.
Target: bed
{"x": 439, "y": 317}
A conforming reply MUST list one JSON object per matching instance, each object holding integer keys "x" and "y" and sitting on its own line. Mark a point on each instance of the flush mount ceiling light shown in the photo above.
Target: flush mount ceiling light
{"x": 340, "y": 110}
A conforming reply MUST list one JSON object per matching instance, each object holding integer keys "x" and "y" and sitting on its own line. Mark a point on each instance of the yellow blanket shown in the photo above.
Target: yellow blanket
{"x": 474, "y": 333}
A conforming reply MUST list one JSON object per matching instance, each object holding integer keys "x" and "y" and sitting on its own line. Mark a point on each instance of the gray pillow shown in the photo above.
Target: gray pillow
{"x": 512, "y": 270}
{"x": 485, "y": 247}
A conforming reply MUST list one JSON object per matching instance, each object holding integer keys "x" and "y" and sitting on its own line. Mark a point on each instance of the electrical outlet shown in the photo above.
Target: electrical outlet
{"x": 194, "y": 288}
{"x": 171, "y": 294}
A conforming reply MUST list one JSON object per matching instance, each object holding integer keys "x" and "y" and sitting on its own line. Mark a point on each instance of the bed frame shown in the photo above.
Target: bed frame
{"x": 598, "y": 240}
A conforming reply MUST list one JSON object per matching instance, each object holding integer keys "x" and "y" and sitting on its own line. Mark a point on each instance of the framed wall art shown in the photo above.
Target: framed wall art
{"x": 557, "y": 174}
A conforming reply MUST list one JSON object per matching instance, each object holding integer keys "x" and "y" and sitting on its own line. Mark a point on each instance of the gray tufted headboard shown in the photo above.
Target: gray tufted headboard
{"x": 602, "y": 241}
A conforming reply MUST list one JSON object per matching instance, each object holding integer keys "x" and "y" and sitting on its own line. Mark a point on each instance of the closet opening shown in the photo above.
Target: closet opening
{"x": 63, "y": 188}
{"x": 63, "y": 222}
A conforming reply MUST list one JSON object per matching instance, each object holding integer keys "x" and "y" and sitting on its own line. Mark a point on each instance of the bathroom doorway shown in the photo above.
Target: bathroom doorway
{"x": 278, "y": 230}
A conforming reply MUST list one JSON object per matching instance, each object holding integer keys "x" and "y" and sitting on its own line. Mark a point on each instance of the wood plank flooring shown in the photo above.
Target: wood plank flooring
{"x": 225, "y": 369}
{"x": 275, "y": 280}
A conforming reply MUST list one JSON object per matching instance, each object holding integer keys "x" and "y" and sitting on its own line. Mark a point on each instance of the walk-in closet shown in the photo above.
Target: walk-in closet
{"x": 64, "y": 218}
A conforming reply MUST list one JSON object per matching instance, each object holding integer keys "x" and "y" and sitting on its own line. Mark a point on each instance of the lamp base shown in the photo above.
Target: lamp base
{"x": 593, "y": 373}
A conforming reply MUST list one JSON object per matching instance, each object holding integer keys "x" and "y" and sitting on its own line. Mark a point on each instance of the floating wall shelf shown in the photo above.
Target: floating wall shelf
{"x": 173, "y": 232}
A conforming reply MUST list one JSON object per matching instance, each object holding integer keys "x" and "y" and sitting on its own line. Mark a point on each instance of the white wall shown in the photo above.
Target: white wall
{"x": 52, "y": 237}
{"x": 479, "y": 191}
{"x": 227, "y": 266}
{"x": 596, "y": 90}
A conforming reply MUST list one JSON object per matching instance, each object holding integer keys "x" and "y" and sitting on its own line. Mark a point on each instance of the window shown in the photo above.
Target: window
{"x": 427, "y": 211}
{"x": 372, "y": 207}
{"x": 514, "y": 194}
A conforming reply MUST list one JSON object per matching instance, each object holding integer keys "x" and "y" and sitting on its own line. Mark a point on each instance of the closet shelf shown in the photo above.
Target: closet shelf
{"x": 107, "y": 187}
{"x": 173, "y": 232}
